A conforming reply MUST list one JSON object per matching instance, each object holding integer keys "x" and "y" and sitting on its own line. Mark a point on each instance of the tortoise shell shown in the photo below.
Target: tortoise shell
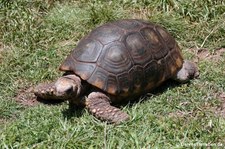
{"x": 125, "y": 57}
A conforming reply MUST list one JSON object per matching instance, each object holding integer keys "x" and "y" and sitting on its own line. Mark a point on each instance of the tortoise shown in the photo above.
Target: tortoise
{"x": 116, "y": 62}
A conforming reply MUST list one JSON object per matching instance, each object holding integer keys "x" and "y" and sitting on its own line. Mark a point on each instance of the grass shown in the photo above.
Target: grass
{"x": 37, "y": 35}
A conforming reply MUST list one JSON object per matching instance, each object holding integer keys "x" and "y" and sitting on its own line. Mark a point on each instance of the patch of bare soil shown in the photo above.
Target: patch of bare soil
{"x": 180, "y": 114}
{"x": 217, "y": 110}
{"x": 1, "y": 50}
{"x": 2, "y": 120}
{"x": 140, "y": 13}
{"x": 220, "y": 111}
{"x": 26, "y": 97}
{"x": 205, "y": 54}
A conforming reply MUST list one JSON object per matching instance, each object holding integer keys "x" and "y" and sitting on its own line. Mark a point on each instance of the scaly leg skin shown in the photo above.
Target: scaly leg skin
{"x": 98, "y": 104}
{"x": 187, "y": 72}
{"x": 62, "y": 89}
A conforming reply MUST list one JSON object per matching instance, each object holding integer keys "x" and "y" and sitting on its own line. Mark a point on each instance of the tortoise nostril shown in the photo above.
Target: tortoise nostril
{"x": 69, "y": 90}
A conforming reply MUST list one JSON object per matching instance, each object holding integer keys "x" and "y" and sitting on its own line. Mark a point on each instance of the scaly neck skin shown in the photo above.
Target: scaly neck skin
{"x": 79, "y": 98}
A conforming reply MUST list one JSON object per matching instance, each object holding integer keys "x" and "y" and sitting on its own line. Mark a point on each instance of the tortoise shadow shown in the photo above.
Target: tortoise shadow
{"x": 71, "y": 111}
{"x": 49, "y": 102}
{"x": 77, "y": 111}
{"x": 169, "y": 84}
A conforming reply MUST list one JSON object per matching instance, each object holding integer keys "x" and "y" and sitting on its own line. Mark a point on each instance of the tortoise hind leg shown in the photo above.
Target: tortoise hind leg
{"x": 98, "y": 104}
{"x": 188, "y": 71}
{"x": 62, "y": 89}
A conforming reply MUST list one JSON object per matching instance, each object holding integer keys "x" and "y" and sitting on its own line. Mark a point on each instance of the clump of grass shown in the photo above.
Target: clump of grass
{"x": 21, "y": 23}
{"x": 101, "y": 12}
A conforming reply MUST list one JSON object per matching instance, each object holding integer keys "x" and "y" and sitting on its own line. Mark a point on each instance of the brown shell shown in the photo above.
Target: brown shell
{"x": 125, "y": 57}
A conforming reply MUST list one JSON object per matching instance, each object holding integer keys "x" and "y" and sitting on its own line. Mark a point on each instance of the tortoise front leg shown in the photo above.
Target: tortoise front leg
{"x": 98, "y": 104}
{"x": 62, "y": 89}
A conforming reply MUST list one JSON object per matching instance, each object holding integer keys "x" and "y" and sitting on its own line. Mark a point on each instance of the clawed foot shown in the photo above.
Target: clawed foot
{"x": 64, "y": 88}
{"x": 46, "y": 91}
{"x": 98, "y": 104}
